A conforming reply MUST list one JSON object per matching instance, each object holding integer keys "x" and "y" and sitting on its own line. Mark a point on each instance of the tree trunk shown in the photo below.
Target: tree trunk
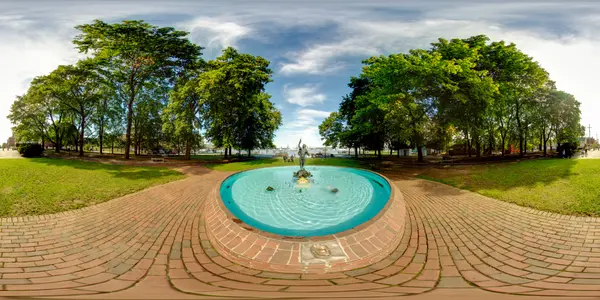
{"x": 503, "y": 143}
{"x": 249, "y": 152}
{"x": 356, "y": 152}
{"x": 391, "y": 151}
{"x": 230, "y": 151}
{"x": 129, "y": 120}
{"x": 398, "y": 153}
{"x": 188, "y": 150}
{"x": 520, "y": 130}
{"x": 379, "y": 154}
{"x": 420, "y": 153}
{"x": 81, "y": 142}
{"x": 545, "y": 151}
{"x": 112, "y": 147}
{"x": 101, "y": 135}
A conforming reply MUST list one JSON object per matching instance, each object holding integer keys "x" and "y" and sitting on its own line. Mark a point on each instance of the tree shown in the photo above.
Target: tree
{"x": 133, "y": 52}
{"x": 78, "y": 89}
{"x": 39, "y": 108}
{"x": 410, "y": 85}
{"x": 29, "y": 119}
{"x": 351, "y": 136}
{"x": 565, "y": 117}
{"x": 181, "y": 117}
{"x": 468, "y": 106}
{"x": 231, "y": 98}
{"x": 259, "y": 124}
{"x": 331, "y": 130}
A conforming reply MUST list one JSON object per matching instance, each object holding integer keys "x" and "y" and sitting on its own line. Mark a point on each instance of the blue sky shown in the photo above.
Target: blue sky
{"x": 314, "y": 46}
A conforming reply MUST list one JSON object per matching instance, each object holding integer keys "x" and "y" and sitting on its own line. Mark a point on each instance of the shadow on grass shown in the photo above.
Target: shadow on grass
{"x": 115, "y": 170}
{"x": 505, "y": 176}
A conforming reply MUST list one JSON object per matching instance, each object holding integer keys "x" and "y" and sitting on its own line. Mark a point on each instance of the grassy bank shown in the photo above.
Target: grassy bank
{"x": 564, "y": 186}
{"x": 45, "y": 185}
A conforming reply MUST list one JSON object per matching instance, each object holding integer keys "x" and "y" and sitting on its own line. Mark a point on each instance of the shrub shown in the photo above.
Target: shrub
{"x": 31, "y": 150}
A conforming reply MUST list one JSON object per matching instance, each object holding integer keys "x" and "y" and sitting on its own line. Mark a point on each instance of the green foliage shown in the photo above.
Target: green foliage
{"x": 484, "y": 95}
{"x": 229, "y": 95}
{"x": 331, "y": 130}
{"x": 133, "y": 54}
{"x": 31, "y": 150}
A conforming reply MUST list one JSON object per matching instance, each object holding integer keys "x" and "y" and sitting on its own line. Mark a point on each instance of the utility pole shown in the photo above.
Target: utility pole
{"x": 590, "y": 129}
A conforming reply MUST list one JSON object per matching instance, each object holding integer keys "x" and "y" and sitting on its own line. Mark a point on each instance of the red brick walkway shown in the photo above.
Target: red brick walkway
{"x": 153, "y": 244}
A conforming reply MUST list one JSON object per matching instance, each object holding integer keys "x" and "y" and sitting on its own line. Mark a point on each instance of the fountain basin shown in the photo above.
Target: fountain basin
{"x": 362, "y": 242}
{"x": 305, "y": 209}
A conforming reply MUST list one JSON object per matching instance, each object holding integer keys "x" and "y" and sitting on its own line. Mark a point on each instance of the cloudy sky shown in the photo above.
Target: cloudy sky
{"x": 314, "y": 46}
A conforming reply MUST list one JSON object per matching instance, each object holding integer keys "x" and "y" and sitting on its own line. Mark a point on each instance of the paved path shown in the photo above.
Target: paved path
{"x": 152, "y": 244}
{"x": 9, "y": 154}
{"x": 591, "y": 155}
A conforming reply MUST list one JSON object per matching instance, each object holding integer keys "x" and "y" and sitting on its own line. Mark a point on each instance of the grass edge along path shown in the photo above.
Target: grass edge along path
{"x": 50, "y": 185}
{"x": 564, "y": 186}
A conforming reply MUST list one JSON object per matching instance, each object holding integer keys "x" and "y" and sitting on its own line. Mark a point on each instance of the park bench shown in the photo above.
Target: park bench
{"x": 447, "y": 160}
{"x": 158, "y": 159}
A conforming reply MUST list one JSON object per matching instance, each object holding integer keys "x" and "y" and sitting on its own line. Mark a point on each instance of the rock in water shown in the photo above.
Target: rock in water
{"x": 334, "y": 190}
{"x": 270, "y": 189}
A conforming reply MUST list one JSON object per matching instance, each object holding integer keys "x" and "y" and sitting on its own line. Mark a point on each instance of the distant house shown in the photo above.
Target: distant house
{"x": 586, "y": 141}
{"x": 11, "y": 142}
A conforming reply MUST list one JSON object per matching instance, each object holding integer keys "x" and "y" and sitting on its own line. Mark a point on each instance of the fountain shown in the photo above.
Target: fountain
{"x": 324, "y": 200}
{"x": 302, "y": 175}
{"x": 335, "y": 204}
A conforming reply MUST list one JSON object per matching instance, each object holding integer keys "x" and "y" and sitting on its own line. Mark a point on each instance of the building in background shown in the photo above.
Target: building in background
{"x": 10, "y": 143}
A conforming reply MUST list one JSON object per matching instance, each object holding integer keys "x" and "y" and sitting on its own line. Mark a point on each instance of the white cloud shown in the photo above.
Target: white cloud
{"x": 30, "y": 49}
{"x": 27, "y": 53}
{"x": 304, "y": 124}
{"x": 215, "y": 33}
{"x": 305, "y": 95}
{"x": 35, "y": 42}
{"x": 571, "y": 60}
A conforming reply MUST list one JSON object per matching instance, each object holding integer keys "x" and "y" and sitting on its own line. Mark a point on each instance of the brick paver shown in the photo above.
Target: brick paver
{"x": 155, "y": 244}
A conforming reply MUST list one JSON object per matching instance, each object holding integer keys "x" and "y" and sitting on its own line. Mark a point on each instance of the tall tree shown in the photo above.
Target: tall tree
{"x": 131, "y": 53}
{"x": 230, "y": 91}
{"x": 468, "y": 106}
{"x": 257, "y": 130}
{"x": 181, "y": 117}
{"x": 411, "y": 84}
{"x": 78, "y": 89}
{"x": 331, "y": 130}
{"x": 351, "y": 136}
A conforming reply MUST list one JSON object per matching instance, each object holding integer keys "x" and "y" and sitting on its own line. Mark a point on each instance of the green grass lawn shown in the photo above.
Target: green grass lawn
{"x": 564, "y": 186}
{"x": 278, "y": 162}
{"x": 44, "y": 185}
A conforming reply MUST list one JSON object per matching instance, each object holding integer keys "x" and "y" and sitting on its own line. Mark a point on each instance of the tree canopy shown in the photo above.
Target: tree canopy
{"x": 470, "y": 91}
{"x": 147, "y": 87}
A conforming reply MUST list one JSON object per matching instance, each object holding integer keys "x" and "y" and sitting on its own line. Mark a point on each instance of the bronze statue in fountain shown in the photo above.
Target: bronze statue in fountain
{"x": 302, "y": 174}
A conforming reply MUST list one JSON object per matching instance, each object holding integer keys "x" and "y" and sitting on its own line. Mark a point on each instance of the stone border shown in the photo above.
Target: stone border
{"x": 362, "y": 245}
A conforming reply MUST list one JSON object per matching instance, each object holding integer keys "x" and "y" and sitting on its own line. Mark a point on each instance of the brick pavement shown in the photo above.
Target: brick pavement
{"x": 153, "y": 244}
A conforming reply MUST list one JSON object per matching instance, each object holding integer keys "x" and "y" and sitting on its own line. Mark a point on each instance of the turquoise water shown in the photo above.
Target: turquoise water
{"x": 308, "y": 210}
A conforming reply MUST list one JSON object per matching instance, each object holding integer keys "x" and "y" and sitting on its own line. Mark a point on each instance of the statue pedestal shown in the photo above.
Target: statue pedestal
{"x": 302, "y": 173}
